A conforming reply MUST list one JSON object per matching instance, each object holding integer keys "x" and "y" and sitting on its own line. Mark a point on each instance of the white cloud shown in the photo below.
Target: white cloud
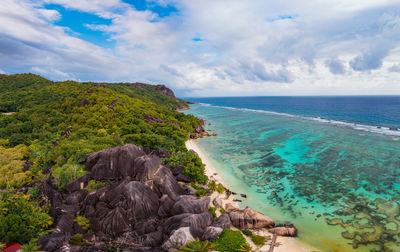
{"x": 103, "y": 8}
{"x": 53, "y": 73}
{"x": 247, "y": 47}
{"x": 395, "y": 68}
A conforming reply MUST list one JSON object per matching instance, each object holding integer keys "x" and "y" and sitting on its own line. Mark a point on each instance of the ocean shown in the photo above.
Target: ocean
{"x": 329, "y": 165}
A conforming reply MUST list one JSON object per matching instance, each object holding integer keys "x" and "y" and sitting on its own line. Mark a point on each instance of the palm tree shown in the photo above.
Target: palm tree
{"x": 197, "y": 246}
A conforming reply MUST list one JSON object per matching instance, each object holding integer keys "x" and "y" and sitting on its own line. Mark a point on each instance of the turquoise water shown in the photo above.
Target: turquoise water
{"x": 338, "y": 185}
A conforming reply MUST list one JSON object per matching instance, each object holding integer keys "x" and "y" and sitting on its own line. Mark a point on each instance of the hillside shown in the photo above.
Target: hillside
{"x": 101, "y": 166}
{"x": 63, "y": 122}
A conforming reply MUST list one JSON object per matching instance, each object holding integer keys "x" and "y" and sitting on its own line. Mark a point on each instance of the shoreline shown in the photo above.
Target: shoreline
{"x": 287, "y": 244}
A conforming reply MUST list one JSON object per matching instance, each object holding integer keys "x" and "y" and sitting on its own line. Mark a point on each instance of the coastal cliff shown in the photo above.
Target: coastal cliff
{"x": 99, "y": 166}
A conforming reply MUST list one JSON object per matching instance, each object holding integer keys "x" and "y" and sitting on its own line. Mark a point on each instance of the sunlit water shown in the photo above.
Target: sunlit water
{"x": 339, "y": 185}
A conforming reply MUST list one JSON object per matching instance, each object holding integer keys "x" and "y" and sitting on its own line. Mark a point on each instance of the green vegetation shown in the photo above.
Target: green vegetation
{"x": 21, "y": 219}
{"x": 197, "y": 246}
{"x": 12, "y": 172}
{"x": 200, "y": 193}
{"x": 258, "y": 240}
{"x": 214, "y": 187}
{"x": 245, "y": 248}
{"x": 82, "y": 221}
{"x": 93, "y": 185}
{"x": 194, "y": 168}
{"x": 77, "y": 239}
{"x": 34, "y": 193}
{"x": 63, "y": 122}
{"x": 247, "y": 233}
{"x": 230, "y": 241}
{"x": 31, "y": 246}
{"x": 213, "y": 210}
{"x": 56, "y": 125}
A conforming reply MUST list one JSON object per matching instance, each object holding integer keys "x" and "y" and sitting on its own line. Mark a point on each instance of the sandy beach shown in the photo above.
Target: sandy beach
{"x": 286, "y": 244}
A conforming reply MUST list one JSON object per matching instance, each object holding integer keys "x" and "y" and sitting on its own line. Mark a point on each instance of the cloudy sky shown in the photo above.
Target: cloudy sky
{"x": 209, "y": 47}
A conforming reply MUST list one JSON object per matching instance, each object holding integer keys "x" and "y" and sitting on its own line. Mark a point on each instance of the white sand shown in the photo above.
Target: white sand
{"x": 210, "y": 169}
{"x": 287, "y": 244}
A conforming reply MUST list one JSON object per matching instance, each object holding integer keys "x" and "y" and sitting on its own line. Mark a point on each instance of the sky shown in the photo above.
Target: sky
{"x": 209, "y": 47}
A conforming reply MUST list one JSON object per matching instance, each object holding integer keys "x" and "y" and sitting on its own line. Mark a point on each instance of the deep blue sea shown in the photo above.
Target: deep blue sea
{"x": 330, "y": 165}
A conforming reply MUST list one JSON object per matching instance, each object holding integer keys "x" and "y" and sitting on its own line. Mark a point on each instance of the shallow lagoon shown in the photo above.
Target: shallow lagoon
{"x": 338, "y": 185}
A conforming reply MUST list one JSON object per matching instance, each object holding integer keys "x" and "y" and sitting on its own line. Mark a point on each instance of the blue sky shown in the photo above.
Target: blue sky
{"x": 209, "y": 47}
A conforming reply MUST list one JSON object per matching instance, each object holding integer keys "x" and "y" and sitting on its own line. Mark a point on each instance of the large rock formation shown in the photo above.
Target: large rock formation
{"x": 201, "y": 221}
{"x": 178, "y": 238}
{"x": 142, "y": 207}
{"x": 165, "y": 90}
{"x": 249, "y": 219}
{"x": 190, "y": 204}
{"x": 284, "y": 230}
{"x": 114, "y": 163}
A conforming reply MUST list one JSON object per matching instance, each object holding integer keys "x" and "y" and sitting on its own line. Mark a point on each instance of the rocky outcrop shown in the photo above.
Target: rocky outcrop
{"x": 153, "y": 119}
{"x": 223, "y": 221}
{"x": 284, "y": 230}
{"x": 53, "y": 241}
{"x": 141, "y": 201}
{"x": 190, "y": 204}
{"x": 178, "y": 238}
{"x": 218, "y": 202}
{"x": 113, "y": 211}
{"x": 211, "y": 233}
{"x": 78, "y": 184}
{"x": 83, "y": 103}
{"x": 249, "y": 219}
{"x": 199, "y": 131}
{"x": 165, "y": 90}
{"x": 142, "y": 207}
{"x": 200, "y": 221}
{"x": 114, "y": 163}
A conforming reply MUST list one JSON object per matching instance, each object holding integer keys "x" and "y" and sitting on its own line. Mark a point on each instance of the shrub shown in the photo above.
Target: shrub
{"x": 34, "y": 193}
{"x": 195, "y": 186}
{"x": 3, "y": 142}
{"x": 222, "y": 211}
{"x": 258, "y": 240}
{"x": 82, "y": 221}
{"x": 68, "y": 172}
{"x": 12, "y": 172}
{"x": 17, "y": 139}
{"x": 245, "y": 248}
{"x": 31, "y": 246}
{"x": 220, "y": 188}
{"x": 77, "y": 239}
{"x": 201, "y": 193}
{"x": 230, "y": 241}
{"x": 197, "y": 246}
{"x": 102, "y": 132}
{"x": 213, "y": 210}
{"x": 21, "y": 219}
{"x": 214, "y": 187}
{"x": 194, "y": 168}
{"x": 247, "y": 232}
{"x": 94, "y": 185}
